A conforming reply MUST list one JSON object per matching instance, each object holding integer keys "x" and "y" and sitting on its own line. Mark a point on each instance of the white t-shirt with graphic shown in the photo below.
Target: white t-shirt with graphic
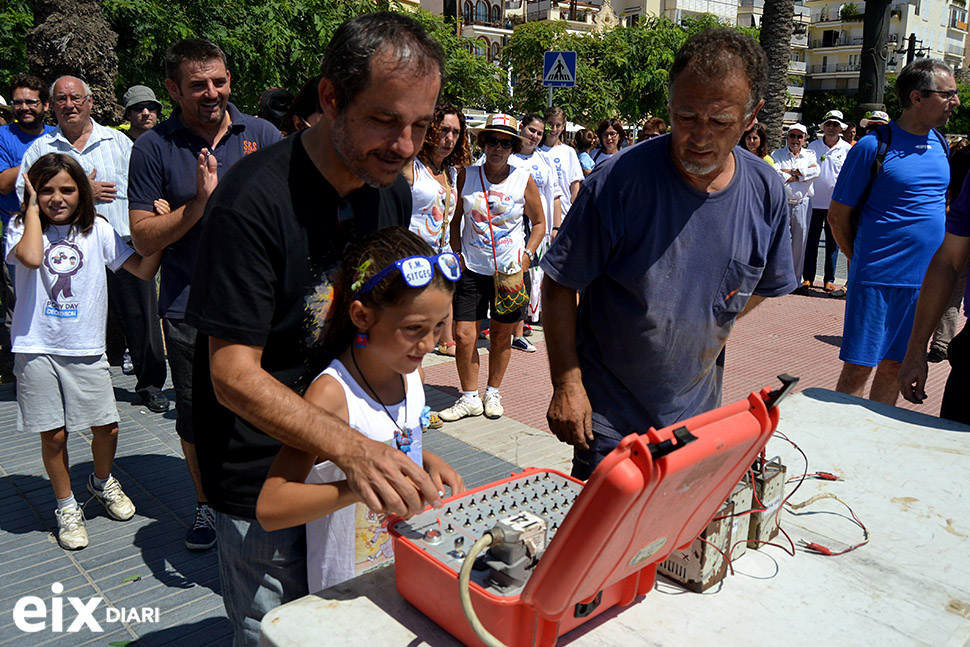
{"x": 564, "y": 160}
{"x": 506, "y": 203}
{"x": 354, "y": 540}
{"x": 62, "y": 306}
{"x": 545, "y": 178}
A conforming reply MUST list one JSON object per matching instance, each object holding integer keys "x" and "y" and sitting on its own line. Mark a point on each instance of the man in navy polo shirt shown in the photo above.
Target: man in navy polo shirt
{"x": 181, "y": 161}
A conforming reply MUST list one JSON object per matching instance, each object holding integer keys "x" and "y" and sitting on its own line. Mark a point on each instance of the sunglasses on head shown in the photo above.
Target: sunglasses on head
{"x": 495, "y": 141}
{"x": 417, "y": 271}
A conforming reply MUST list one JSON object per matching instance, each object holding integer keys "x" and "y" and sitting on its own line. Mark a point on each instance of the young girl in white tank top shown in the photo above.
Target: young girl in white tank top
{"x": 393, "y": 296}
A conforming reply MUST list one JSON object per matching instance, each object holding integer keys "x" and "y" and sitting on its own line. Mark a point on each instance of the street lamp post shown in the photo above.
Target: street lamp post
{"x": 911, "y": 49}
{"x": 872, "y": 74}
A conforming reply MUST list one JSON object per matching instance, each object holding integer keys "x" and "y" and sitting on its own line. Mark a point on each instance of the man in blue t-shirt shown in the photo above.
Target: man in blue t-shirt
{"x": 668, "y": 244}
{"x": 30, "y": 101}
{"x": 901, "y": 226}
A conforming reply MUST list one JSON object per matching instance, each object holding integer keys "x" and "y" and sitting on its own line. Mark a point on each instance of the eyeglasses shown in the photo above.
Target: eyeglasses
{"x": 831, "y": 123}
{"x": 30, "y": 103}
{"x": 138, "y": 107}
{"x": 946, "y": 94}
{"x": 610, "y": 133}
{"x": 62, "y": 99}
{"x": 795, "y": 136}
{"x": 495, "y": 141}
{"x": 417, "y": 271}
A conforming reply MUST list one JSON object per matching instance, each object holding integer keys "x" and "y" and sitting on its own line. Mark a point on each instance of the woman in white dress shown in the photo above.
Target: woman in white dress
{"x": 433, "y": 175}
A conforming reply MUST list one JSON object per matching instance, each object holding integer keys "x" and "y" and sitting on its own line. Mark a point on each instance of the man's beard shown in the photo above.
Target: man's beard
{"x": 354, "y": 159}
{"x": 698, "y": 168}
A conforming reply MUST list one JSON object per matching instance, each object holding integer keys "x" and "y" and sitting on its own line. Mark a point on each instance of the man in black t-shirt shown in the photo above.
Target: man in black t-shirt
{"x": 274, "y": 231}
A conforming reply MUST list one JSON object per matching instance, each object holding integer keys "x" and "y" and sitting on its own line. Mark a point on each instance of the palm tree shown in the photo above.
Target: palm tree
{"x": 776, "y": 28}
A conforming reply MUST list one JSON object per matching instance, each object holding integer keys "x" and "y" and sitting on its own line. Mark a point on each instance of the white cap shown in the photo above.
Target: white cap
{"x": 835, "y": 115}
{"x": 798, "y": 127}
{"x": 6, "y": 110}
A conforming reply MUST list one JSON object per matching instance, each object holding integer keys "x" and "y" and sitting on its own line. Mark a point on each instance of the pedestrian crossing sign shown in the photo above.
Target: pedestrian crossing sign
{"x": 559, "y": 70}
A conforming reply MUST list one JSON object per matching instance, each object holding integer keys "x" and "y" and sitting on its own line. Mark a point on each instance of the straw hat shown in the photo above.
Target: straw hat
{"x": 500, "y": 123}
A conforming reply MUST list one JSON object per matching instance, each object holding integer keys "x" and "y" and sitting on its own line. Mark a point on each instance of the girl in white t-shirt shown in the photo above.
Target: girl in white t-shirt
{"x": 563, "y": 158}
{"x": 392, "y": 299}
{"x": 60, "y": 247}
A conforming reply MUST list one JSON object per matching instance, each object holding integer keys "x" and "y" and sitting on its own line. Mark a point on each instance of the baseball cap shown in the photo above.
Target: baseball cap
{"x": 835, "y": 115}
{"x": 798, "y": 127}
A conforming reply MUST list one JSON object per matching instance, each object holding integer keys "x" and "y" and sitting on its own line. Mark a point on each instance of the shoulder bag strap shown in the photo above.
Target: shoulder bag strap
{"x": 488, "y": 212}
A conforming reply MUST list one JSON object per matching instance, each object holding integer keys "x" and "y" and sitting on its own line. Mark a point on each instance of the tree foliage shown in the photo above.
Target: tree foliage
{"x": 16, "y": 17}
{"x": 622, "y": 73}
{"x": 276, "y": 43}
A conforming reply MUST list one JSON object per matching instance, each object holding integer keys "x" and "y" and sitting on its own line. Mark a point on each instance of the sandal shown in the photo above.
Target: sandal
{"x": 434, "y": 421}
{"x": 447, "y": 349}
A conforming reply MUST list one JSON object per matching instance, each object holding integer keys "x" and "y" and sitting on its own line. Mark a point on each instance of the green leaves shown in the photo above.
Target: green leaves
{"x": 622, "y": 73}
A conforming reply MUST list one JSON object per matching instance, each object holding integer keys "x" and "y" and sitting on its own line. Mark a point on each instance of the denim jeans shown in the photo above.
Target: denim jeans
{"x": 258, "y": 571}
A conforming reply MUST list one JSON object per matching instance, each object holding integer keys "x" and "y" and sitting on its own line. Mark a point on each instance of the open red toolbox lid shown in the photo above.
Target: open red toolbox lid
{"x": 654, "y": 493}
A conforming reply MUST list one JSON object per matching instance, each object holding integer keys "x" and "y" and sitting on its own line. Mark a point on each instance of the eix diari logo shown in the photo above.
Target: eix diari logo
{"x": 30, "y": 613}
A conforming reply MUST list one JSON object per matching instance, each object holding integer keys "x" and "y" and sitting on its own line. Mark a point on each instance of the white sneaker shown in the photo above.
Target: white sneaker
{"x": 493, "y": 406}
{"x": 117, "y": 504}
{"x": 462, "y": 408}
{"x": 71, "y": 533}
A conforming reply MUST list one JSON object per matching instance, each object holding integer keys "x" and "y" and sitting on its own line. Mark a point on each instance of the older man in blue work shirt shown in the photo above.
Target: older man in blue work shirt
{"x": 181, "y": 161}
{"x": 669, "y": 243}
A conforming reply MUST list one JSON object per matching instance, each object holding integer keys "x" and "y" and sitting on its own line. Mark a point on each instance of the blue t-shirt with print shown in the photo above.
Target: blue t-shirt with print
{"x": 13, "y": 144}
{"x": 664, "y": 270}
{"x": 902, "y": 222}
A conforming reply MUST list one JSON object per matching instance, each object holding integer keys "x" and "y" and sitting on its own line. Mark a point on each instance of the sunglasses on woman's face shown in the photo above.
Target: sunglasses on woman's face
{"x": 495, "y": 141}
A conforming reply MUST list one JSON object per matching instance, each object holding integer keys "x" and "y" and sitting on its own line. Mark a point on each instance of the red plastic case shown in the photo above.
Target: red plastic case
{"x": 630, "y": 515}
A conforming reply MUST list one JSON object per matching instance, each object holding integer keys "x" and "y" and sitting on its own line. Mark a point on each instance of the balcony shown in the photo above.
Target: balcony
{"x": 838, "y": 42}
{"x": 799, "y": 40}
{"x": 835, "y": 68}
{"x": 797, "y": 67}
{"x": 759, "y": 4}
{"x": 959, "y": 25}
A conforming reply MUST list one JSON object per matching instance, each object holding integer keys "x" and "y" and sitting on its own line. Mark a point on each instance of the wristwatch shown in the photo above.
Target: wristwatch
{"x": 531, "y": 255}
